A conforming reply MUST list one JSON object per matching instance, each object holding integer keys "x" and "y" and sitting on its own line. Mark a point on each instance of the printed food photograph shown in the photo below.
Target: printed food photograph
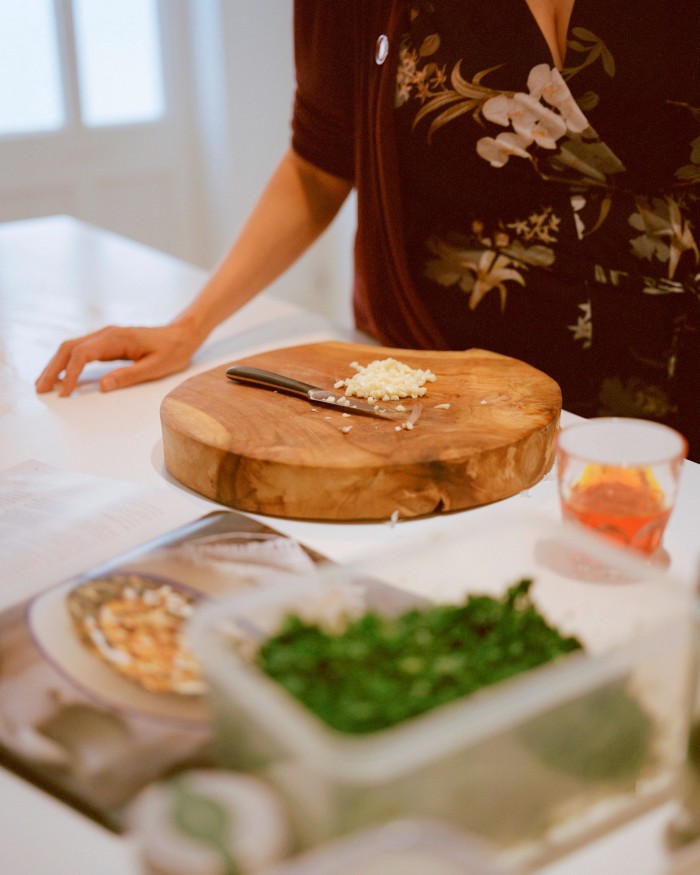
{"x": 112, "y": 694}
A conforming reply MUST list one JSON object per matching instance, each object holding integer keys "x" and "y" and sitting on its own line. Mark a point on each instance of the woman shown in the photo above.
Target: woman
{"x": 527, "y": 176}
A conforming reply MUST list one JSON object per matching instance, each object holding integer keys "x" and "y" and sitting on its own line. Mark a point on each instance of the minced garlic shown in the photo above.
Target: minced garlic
{"x": 386, "y": 380}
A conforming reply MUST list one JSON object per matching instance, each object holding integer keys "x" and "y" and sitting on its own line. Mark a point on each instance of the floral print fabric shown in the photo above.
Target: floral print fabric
{"x": 554, "y": 214}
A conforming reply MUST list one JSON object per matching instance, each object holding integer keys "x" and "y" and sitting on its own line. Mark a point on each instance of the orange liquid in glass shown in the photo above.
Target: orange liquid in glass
{"x": 629, "y": 510}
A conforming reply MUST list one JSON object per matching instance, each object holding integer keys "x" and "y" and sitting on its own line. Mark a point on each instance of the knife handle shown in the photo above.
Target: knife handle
{"x": 258, "y": 377}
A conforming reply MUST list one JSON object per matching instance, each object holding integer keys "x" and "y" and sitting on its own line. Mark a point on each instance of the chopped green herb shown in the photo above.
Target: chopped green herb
{"x": 380, "y": 671}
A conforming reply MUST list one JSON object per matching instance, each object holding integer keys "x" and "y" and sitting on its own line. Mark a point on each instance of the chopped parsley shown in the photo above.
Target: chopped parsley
{"x": 382, "y": 670}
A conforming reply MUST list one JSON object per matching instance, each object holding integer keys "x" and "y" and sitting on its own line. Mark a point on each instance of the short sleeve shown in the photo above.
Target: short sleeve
{"x": 322, "y": 123}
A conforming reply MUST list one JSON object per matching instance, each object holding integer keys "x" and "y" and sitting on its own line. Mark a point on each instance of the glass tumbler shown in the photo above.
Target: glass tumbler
{"x": 620, "y": 477}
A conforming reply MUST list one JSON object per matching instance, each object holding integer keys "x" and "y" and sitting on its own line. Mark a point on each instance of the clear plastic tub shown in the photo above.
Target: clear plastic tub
{"x": 407, "y": 847}
{"x": 534, "y": 764}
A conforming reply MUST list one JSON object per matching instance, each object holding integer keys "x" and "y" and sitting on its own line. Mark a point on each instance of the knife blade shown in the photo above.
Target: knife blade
{"x": 270, "y": 380}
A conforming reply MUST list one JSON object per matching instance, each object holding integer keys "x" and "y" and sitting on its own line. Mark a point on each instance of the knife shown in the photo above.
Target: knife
{"x": 270, "y": 380}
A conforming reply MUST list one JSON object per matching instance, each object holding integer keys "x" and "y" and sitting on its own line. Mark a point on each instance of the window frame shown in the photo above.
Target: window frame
{"x": 69, "y": 80}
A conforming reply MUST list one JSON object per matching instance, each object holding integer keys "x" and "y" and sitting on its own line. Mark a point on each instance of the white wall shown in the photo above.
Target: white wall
{"x": 244, "y": 86}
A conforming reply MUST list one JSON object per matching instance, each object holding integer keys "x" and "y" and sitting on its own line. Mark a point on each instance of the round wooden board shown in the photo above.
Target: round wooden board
{"x": 263, "y": 451}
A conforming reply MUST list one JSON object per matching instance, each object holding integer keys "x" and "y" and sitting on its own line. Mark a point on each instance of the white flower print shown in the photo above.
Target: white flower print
{"x": 578, "y": 202}
{"x": 532, "y": 120}
{"x": 548, "y": 83}
{"x": 529, "y": 118}
{"x": 542, "y": 125}
{"x": 497, "y": 151}
{"x": 492, "y": 272}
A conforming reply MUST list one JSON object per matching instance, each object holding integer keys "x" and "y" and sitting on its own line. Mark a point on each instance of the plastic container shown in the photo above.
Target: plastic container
{"x": 209, "y": 822}
{"x": 534, "y": 764}
{"x": 407, "y": 847}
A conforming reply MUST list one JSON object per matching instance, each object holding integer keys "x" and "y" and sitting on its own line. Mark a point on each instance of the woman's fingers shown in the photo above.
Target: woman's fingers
{"x": 92, "y": 349}
{"x": 60, "y": 361}
{"x": 151, "y": 367}
{"x": 155, "y": 352}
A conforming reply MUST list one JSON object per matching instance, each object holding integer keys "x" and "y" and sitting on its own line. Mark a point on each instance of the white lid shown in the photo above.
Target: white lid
{"x": 188, "y": 825}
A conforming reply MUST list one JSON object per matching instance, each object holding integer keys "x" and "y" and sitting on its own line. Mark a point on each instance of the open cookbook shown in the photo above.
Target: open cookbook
{"x": 99, "y": 693}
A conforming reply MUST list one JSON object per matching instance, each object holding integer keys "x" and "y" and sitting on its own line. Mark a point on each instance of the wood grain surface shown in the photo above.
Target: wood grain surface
{"x": 263, "y": 451}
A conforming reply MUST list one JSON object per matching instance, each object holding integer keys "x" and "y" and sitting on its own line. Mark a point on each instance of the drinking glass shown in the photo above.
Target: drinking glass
{"x": 619, "y": 477}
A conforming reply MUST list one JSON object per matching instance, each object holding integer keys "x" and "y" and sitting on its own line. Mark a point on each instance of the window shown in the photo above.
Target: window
{"x": 30, "y": 87}
{"x": 89, "y": 62}
{"x": 118, "y": 60}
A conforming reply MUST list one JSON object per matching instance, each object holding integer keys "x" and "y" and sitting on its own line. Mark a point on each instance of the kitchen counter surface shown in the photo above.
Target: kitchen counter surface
{"x": 60, "y": 278}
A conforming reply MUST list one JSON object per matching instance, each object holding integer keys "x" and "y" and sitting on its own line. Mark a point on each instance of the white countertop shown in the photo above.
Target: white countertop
{"x": 60, "y": 278}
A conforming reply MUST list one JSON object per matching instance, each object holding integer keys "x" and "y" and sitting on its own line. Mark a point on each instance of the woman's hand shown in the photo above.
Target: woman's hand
{"x": 155, "y": 352}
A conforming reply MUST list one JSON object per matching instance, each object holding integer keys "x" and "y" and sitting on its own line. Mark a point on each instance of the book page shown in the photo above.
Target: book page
{"x": 56, "y": 523}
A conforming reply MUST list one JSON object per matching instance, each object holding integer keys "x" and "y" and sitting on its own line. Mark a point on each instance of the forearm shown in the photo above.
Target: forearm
{"x": 297, "y": 205}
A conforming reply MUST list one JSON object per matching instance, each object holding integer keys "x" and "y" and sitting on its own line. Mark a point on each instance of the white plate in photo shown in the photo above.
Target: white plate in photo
{"x": 57, "y": 636}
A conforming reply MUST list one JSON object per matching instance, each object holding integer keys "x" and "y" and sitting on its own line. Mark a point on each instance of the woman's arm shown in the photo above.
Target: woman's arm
{"x": 297, "y": 205}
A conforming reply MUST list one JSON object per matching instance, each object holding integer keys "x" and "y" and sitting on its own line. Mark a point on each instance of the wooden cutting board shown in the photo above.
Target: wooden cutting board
{"x": 266, "y": 452}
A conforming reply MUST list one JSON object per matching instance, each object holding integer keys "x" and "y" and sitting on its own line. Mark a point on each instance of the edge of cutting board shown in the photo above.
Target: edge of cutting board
{"x": 269, "y": 453}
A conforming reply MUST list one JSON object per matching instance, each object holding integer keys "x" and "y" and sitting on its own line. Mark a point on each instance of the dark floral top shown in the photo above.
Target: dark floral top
{"x": 549, "y": 214}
